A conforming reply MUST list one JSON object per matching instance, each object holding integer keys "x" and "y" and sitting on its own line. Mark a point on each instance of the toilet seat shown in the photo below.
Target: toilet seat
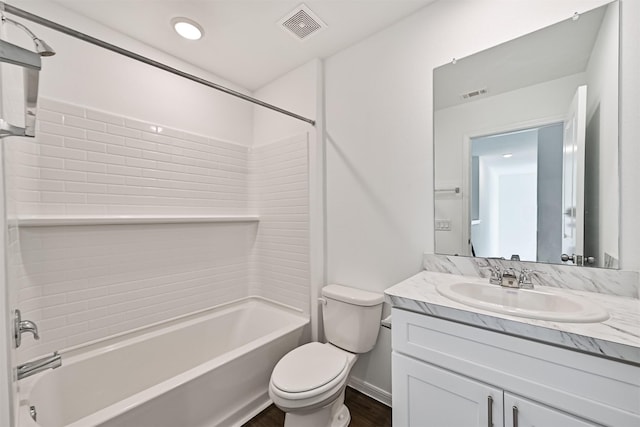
{"x": 310, "y": 376}
{"x": 309, "y": 368}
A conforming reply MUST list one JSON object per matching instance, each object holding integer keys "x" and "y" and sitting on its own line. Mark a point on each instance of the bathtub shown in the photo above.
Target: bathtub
{"x": 209, "y": 369}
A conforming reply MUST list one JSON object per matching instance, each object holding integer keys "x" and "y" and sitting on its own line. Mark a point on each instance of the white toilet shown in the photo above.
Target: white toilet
{"x": 308, "y": 383}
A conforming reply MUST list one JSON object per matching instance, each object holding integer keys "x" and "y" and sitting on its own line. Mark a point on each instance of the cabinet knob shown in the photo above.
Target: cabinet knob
{"x": 515, "y": 416}
{"x": 489, "y": 411}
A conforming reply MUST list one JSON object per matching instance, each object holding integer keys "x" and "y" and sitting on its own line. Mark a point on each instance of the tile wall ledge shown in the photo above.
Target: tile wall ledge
{"x": 70, "y": 220}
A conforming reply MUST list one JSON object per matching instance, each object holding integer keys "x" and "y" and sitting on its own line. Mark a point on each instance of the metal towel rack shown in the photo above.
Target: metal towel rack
{"x": 448, "y": 190}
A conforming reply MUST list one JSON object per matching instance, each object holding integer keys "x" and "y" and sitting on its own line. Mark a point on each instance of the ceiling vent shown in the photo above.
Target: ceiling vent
{"x": 302, "y": 23}
{"x": 474, "y": 93}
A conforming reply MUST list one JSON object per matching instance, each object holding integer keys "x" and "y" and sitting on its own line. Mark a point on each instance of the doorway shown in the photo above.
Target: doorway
{"x": 516, "y": 189}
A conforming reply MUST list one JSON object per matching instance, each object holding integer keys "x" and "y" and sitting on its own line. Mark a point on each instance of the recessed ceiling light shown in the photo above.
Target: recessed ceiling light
{"x": 187, "y": 28}
{"x": 506, "y": 156}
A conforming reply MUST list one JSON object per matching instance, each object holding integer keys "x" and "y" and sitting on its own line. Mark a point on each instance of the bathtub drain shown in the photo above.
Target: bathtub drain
{"x": 33, "y": 413}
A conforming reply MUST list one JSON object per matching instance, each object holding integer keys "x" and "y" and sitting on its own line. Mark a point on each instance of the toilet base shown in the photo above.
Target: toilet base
{"x": 335, "y": 414}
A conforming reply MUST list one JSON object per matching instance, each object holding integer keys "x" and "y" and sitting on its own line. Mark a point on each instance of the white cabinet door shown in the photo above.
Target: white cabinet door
{"x": 427, "y": 396}
{"x": 521, "y": 412}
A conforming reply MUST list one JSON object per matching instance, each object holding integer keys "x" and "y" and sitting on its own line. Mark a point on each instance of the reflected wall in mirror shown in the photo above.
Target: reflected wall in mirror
{"x": 526, "y": 146}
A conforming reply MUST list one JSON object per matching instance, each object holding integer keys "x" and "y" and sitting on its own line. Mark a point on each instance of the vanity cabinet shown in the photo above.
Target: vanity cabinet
{"x": 429, "y": 396}
{"x": 447, "y": 374}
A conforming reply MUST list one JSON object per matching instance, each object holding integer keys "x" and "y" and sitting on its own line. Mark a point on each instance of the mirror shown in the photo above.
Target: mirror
{"x": 526, "y": 146}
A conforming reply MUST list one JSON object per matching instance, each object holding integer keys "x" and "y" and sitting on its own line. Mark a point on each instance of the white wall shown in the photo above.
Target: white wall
{"x": 518, "y": 215}
{"x": 508, "y": 207}
{"x": 296, "y": 91}
{"x": 602, "y": 96}
{"x": 629, "y": 135}
{"x": 379, "y": 140}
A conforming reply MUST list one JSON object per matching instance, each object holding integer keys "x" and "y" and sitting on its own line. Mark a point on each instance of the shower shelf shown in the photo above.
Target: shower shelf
{"x": 70, "y": 220}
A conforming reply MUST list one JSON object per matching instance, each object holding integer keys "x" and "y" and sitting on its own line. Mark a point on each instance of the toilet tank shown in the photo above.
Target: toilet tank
{"x": 351, "y": 317}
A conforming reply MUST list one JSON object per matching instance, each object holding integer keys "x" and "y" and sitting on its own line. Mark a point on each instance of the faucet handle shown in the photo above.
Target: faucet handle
{"x": 524, "y": 279}
{"x": 22, "y": 326}
{"x": 496, "y": 274}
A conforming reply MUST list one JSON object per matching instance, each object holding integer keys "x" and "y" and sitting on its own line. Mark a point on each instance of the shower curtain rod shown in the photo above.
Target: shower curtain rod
{"x": 87, "y": 38}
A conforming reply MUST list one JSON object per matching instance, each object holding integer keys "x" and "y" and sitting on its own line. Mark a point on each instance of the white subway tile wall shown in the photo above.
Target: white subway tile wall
{"x": 279, "y": 186}
{"x": 90, "y": 162}
{"x": 82, "y": 283}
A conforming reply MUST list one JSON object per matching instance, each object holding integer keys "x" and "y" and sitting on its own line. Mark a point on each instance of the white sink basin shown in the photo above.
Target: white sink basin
{"x": 533, "y": 304}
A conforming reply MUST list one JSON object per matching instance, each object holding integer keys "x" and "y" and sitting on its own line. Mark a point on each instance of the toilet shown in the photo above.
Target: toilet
{"x": 308, "y": 383}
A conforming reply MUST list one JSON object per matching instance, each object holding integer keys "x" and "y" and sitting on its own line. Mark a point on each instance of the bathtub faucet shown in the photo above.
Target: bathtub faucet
{"x": 21, "y": 326}
{"x": 31, "y": 368}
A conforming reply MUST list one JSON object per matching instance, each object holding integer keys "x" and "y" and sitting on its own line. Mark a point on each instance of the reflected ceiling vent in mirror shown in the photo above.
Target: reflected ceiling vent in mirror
{"x": 302, "y": 23}
{"x": 474, "y": 93}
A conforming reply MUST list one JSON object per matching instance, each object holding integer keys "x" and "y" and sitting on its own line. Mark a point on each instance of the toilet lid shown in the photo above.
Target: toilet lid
{"x": 308, "y": 367}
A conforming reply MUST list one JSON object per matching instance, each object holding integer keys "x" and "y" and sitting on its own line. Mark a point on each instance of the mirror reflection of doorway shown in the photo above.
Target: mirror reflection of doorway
{"x": 516, "y": 190}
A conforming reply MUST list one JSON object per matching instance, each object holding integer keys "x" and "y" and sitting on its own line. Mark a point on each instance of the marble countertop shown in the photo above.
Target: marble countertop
{"x": 617, "y": 338}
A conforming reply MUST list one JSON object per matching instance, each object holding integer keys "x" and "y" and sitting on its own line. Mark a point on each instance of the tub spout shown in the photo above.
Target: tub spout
{"x": 31, "y": 368}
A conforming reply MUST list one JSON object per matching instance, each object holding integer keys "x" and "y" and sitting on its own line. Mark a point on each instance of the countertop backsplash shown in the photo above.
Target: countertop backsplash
{"x": 605, "y": 281}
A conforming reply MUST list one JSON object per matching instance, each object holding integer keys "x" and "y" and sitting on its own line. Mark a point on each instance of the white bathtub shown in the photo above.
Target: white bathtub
{"x": 212, "y": 369}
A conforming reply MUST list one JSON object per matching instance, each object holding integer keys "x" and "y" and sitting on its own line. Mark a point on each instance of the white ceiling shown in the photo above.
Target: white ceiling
{"x": 523, "y": 145}
{"x": 243, "y": 42}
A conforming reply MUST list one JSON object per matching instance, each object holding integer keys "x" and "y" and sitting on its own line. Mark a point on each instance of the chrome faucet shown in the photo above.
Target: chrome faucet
{"x": 22, "y": 326}
{"x": 31, "y": 368}
{"x": 507, "y": 278}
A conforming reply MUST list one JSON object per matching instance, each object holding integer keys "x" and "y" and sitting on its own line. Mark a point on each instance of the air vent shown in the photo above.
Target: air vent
{"x": 474, "y": 93}
{"x": 302, "y": 23}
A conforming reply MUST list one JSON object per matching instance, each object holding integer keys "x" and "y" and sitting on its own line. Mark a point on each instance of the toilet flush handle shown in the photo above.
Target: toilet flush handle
{"x": 322, "y": 301}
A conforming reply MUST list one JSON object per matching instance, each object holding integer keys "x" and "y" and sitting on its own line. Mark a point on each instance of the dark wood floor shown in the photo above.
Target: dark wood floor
{"x": 365, "y": 412}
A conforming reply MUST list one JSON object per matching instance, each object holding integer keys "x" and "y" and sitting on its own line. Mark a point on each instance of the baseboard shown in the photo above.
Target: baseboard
{"x": 248, "y": 411}
{"x": 370, "y": 390}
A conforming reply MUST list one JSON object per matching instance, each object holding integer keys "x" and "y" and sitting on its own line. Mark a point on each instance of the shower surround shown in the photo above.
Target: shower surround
{"x": 82, "y": 283}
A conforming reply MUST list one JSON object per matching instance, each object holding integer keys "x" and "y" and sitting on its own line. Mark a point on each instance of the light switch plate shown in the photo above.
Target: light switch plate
{"x": 443, "y": 225}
